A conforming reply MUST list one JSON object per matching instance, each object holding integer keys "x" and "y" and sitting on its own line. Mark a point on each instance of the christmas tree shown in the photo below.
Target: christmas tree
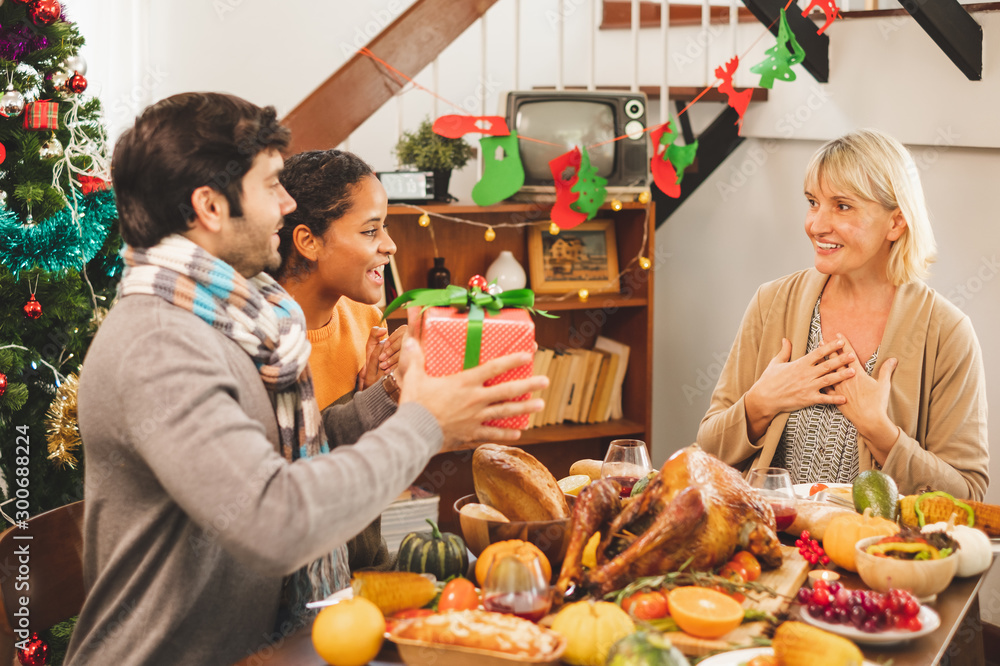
{"x": 779, "y": 58}
{"x": 58, "y": 252}
{"x": 590, "y": 187}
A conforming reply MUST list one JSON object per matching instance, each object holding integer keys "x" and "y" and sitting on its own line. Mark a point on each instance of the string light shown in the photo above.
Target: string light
{"x": 645, "y": 263}
{"x": 424, "y": 220}
{"x": 583, "y": 295}
{"x": 644, "y": 197}
{"x": 490, "y": 235}
{"x": 616, "y": 205}
{"x": 554, "y": 229}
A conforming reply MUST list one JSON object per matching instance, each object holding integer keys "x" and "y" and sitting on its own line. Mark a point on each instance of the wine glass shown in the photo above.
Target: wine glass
{"x": 516, "y": 585}
{"x": 626, "y": 462}
{"x": 775, "y": 484}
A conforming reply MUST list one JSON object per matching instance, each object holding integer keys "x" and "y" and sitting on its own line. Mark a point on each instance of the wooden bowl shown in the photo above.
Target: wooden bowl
{"x": 924, "y": 578}
{"x": 551, "y": 536}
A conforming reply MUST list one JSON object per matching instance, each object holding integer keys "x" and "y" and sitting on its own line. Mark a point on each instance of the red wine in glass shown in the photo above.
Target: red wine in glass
{"x": 627, "y": 483}
{"x": 784, "y": 515}
{"x": 527, "y": 605}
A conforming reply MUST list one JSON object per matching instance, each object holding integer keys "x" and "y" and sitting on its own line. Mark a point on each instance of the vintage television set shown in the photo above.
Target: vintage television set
{"x": 570, "y": 118}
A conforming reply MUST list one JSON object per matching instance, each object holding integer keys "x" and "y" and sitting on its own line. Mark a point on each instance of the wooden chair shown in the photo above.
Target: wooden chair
{"x": 54, "y": 573}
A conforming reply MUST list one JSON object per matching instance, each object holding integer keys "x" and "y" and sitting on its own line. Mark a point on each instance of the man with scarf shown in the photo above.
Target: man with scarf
{"x": 210, "y": 484}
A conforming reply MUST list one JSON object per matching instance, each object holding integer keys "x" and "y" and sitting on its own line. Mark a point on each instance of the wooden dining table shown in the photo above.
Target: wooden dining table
{"x": 957, "y": 642}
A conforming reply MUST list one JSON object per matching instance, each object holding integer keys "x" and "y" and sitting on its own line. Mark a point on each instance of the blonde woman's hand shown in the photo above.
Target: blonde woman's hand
{"x": 787, "y": 385}
{"x": 866, "y": 402}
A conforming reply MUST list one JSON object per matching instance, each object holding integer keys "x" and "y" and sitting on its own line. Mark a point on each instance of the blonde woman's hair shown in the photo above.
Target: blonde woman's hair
{"x": 876, "y": 167}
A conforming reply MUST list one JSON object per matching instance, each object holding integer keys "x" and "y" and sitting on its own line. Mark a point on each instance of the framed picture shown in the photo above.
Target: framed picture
{"x": 584, "y": 257}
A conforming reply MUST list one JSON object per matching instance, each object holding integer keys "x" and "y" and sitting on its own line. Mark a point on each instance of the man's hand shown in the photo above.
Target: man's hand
{"x": 461, "y": 403}
{"x": 786, "y": 385}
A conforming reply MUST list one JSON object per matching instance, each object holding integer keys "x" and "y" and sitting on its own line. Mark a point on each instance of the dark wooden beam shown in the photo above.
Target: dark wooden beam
{"x": 817, "y": 47}
{"x": 679, "y": 93}
{"x": 355, "y": 91}
{"x": 954, "y": 30}
{"x": 881, "y": 13}
{"x": 714, "y": 145}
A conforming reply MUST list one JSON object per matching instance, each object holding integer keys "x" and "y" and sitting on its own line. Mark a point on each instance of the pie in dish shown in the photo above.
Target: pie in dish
{"x": 483, "y": 630}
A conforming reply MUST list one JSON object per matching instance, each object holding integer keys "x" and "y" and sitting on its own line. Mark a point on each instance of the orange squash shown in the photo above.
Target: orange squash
{"x": 846, "y": 530}
{"x": 524, "y": 551}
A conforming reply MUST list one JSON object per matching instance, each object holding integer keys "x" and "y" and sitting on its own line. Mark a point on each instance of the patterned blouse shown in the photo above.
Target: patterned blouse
{"x": 819, "y": 444}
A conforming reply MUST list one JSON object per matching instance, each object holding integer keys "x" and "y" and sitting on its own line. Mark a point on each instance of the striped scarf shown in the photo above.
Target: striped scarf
{"x": 259, "y": 316}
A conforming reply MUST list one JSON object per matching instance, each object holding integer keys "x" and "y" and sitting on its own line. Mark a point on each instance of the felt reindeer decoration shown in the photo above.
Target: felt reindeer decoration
{"x": 738, "y": 100}
{"x": 830, "y": 10}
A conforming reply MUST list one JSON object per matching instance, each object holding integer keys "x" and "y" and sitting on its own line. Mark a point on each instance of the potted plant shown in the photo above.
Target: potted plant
{"x": 428, "y": 151}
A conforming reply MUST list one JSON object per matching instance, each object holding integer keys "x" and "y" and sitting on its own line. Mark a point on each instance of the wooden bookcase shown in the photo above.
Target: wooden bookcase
{"x": 626, "y": 316}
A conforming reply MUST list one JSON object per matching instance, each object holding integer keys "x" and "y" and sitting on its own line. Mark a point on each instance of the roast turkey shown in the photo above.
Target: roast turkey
{"x": 696, "y": 508}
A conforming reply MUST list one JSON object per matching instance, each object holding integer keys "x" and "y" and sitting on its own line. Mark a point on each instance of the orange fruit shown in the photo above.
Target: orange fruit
{"x": 704, "y": 613}
{"x": 349, "y": 633}
{"x": 525, "y": 551}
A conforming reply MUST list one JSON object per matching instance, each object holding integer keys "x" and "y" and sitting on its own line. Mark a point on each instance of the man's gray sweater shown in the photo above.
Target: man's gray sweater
{"x": 192, "y": 515}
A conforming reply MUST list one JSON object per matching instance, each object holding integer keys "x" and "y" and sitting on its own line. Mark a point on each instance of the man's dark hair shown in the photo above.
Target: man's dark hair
{"x": 180, "y": 144}
{"x": 322, "y": 182}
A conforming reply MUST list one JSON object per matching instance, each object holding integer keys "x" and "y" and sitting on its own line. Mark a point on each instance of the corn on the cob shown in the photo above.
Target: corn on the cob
{"x": 798, "y": 644}
{"x": 940, "y": 509}
{"x": 393, "y": 591}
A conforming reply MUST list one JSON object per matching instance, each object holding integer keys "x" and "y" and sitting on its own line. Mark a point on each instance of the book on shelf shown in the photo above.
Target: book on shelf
{"x": 614, "y": 410}
{"x": 408, "y": 513}
{"x": 543, "y": 358}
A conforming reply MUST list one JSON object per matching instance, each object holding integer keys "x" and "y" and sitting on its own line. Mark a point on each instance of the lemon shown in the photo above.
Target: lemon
{"x": 349, "y": 633}
{"x": 589, "y": 557}
{"x": 572, "y": 485}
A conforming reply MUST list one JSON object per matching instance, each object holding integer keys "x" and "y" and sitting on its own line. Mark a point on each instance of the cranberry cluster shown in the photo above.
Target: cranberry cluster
{"x": 810, "y": 550}
{"x": 868, "y": 611}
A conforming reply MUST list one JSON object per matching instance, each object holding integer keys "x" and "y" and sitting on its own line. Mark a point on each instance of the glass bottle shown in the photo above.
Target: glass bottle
{"x": 438, "y": 277}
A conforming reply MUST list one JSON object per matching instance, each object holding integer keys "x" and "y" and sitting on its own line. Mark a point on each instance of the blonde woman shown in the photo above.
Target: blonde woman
{"x": 856, "y": 364}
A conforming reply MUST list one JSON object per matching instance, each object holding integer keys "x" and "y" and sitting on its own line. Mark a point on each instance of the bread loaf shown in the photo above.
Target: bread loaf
{"x": 514, "y": 483}
{"x": 814, "y": 517}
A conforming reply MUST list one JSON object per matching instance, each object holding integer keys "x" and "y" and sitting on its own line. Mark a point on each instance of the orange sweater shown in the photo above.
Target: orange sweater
{"x": 338, "y": 349}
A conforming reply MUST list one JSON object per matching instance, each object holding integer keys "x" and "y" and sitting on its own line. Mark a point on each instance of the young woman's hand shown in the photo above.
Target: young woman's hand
{"x": 382, "y": 355}
{"x": 787, "y": 385}
{"x": 391, "y": 348}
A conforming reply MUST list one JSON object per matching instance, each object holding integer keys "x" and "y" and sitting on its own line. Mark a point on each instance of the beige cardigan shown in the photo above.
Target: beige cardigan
{"x": 938, "y": 394}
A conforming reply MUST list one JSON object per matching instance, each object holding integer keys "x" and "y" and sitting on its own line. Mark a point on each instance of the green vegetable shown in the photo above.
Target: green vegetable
{"x": 642, "y": 483}
{"x": 443, "y": 555}
{"x": 645, "y": 648}
{"x": 876, "y": 490}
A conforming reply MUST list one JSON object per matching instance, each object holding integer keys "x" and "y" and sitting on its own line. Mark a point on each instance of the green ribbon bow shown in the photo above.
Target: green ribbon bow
{"x": 476, "y": 301}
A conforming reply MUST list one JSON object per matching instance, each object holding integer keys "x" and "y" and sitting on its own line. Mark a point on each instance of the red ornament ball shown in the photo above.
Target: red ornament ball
{"x": 35, "y": 652}
{"x": 32, "y": 309}
{"x": 77, "y": 83}
{"x": 3, "y": 153}
{"x": 3, "y": 383}
{"x": 478, "y": 281}
{"x": 44, "y": 12}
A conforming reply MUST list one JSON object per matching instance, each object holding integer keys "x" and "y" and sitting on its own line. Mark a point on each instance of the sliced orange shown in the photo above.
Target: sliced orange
{"x": 704, "y": 613}
{"x": 483, "y": 512}
{"x": 572, "y": 485}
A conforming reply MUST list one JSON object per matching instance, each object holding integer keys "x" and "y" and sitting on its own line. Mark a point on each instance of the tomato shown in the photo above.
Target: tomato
{"x": 732, "y": 570}
{"x": 459, "y": 594}
{"x": 816, "y": 487}
{"x": 646, "y": 605}
{"x": 763, "y": 660}
{"x": 751, "y": 567}
{"x": 738, "y": 597}
{"x": 395, "y": 618}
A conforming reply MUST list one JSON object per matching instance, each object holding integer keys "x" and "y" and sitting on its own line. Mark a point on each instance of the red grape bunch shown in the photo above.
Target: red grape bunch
{"x": 867, "y": 610}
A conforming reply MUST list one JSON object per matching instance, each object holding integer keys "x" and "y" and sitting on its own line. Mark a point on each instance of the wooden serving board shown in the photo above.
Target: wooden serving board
{"x": 785, "y": 580}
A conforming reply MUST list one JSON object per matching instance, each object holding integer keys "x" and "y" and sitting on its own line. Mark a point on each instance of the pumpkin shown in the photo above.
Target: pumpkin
{"x": 434, "y": 552}
{"x": 525, "y": 552}
{"x": 845, "y": 530}
{"x": 591, "y": 628}
{"x": 975, "y": 552}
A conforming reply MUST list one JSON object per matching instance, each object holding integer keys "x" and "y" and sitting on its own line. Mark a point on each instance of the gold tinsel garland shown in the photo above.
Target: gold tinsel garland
{"x": 61, "y": 423}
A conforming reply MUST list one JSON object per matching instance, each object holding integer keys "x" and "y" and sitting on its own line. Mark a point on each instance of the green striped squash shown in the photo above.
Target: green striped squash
{"x": 443, "y": 555}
